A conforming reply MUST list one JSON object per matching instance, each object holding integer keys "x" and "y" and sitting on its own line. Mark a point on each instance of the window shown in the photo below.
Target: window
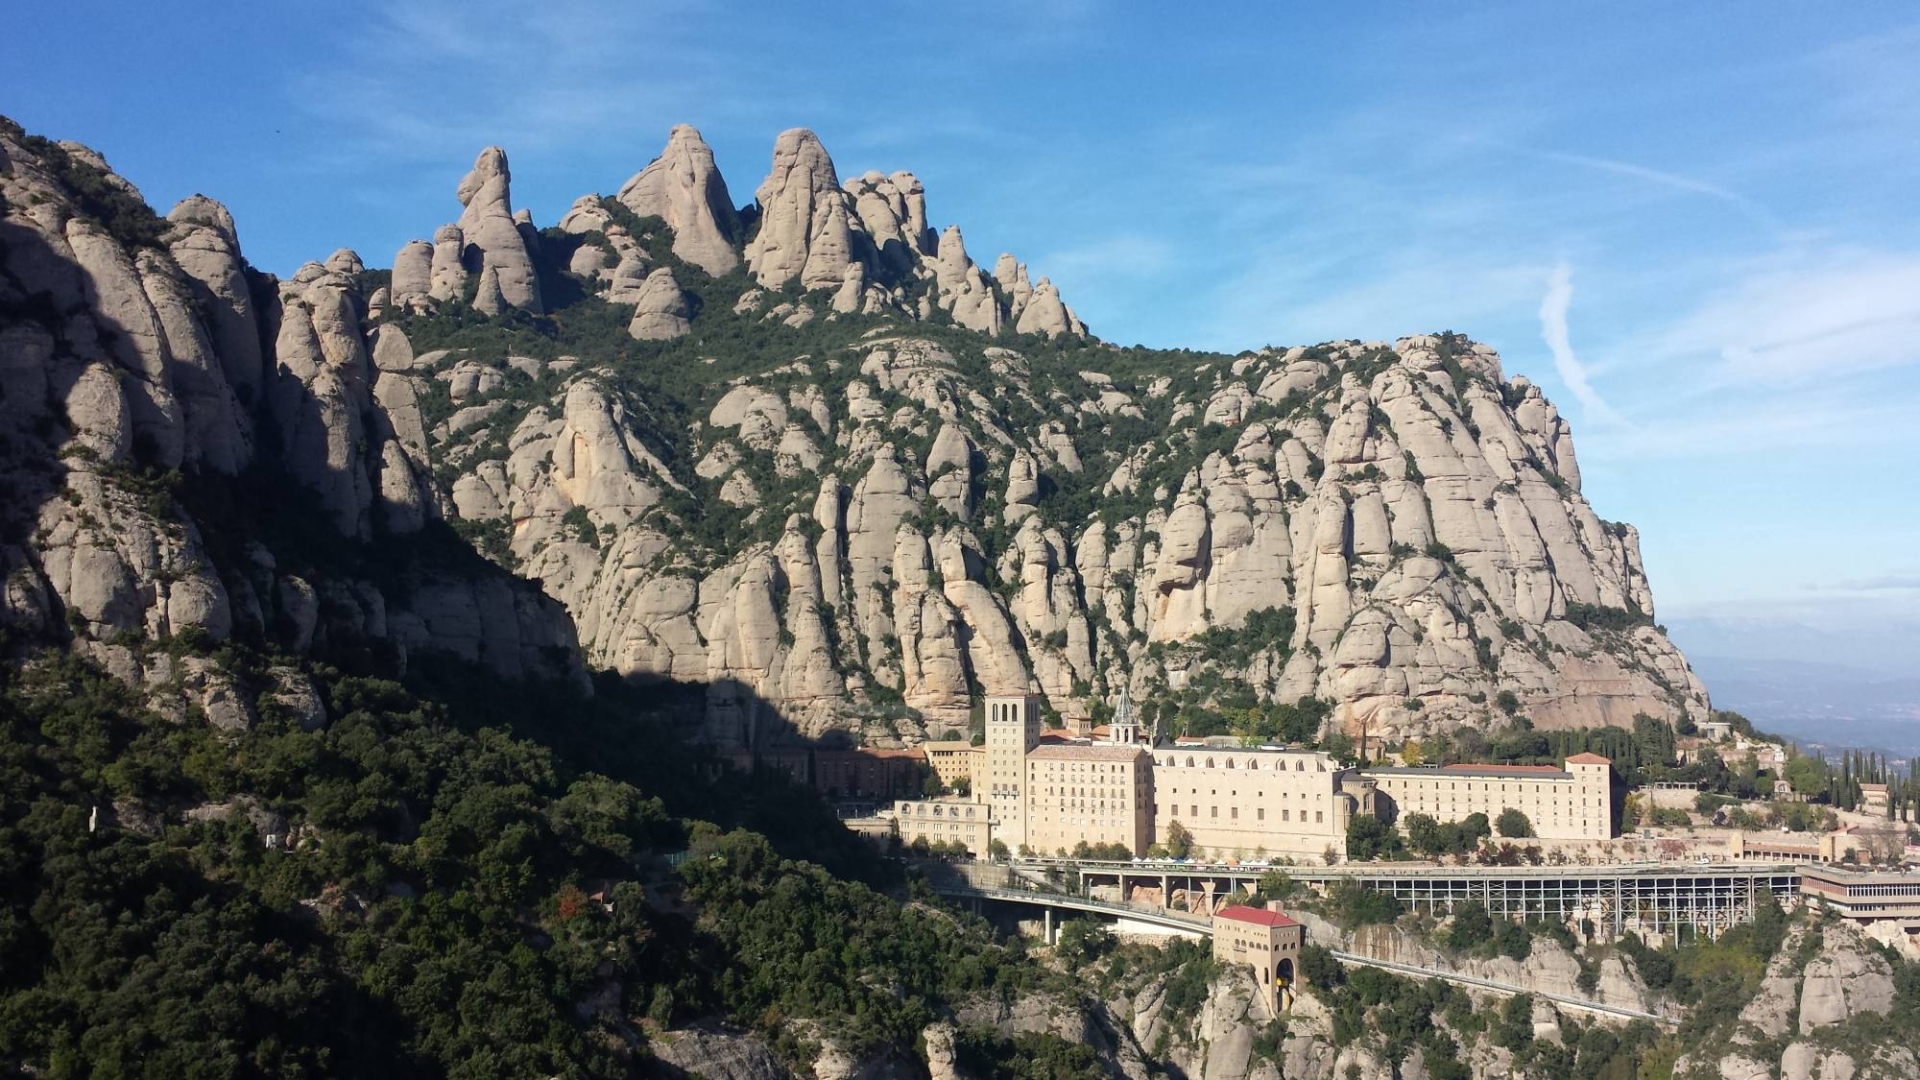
{"x": 1319, "y": 818}
{"x": 1260, "y": 814}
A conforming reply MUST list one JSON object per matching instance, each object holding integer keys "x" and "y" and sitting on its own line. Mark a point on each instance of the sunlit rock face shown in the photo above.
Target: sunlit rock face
{"x": 815, "y": 452}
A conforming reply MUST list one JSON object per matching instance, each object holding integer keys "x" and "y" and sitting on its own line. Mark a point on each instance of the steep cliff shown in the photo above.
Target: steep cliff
{"x": 173, "y": 420}
{"x": 850, "y": 483}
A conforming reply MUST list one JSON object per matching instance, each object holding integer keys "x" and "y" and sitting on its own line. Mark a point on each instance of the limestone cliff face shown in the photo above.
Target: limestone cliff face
{"x": 133, "y": 345}
{"x": 852, "y": 488}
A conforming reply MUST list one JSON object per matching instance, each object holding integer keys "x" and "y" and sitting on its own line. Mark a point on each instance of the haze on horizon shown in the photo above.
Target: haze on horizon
{"x": 1696, "y": 232}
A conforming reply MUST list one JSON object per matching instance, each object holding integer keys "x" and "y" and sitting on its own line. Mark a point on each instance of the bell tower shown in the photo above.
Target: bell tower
{"x": 1012, "y": 728}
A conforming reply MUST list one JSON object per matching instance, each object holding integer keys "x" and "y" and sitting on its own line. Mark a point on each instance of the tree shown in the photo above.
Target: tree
{"x": 1082, "y": 941}
{"x": 997, "y": 849}
{"x": 1472, "y": 927}
{"x": 1807, "y": 775}
{"x": 1507, "y": 701}
{"x": 1423, "y": 834}
{"x": 1513, "y": 824}
{"x": 1276, "y": 885}
{"x": 1370, "y": 838}
{"x": 1179, "y": 842}
{"x": 933, "y": 788}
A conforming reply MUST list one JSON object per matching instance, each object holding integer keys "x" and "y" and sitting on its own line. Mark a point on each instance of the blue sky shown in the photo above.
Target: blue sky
{"x": 1694, "y": 225}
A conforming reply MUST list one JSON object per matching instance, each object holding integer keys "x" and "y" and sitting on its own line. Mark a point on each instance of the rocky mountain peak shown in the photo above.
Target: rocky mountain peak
{"x": 807, "y": 227}
{"x": 859, "y": 503}
{"x": 684, "y": 188}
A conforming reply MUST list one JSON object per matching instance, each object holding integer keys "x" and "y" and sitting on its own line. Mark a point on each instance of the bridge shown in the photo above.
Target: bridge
{"x": 1652, "y": 899}
{"x": 962, "y": 886}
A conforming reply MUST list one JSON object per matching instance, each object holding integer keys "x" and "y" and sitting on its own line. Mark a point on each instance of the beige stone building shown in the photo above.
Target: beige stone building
{"x": 1873, "y": 798}
{"x": 1247, "y": 803}
{"x": 954, "y": 761}
{"x": 1091, "y": 793}
{"x": 1013, "y": 729}
{"x": 1265, "y": 940}
{"x": 963, "y": 821}
{"x": 1573, "y": 803}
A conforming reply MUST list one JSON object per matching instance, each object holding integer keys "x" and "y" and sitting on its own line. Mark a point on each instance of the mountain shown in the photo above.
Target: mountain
{"x": 1829, "y": 706}
{"x": 806, "y": 454}
{"x": 374, "y": 638}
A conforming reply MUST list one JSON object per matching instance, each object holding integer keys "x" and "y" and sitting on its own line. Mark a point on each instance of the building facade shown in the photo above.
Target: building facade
{"x": 1573, "y": 803}
{"x": 1265, "y": 940}
{"x": 868, "y": 773}
{"x": 1044, "y": 796}
{"x": 1093, "y": 794}
{"x": 954, "y": 761}
{"x": 1013, "y": 730}
{"x": 949, "y": 821}
{"x": 1248, "y": 803}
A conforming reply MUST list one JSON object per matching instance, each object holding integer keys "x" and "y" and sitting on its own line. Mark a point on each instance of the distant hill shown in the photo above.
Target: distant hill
{"x": 1827, "y": 705}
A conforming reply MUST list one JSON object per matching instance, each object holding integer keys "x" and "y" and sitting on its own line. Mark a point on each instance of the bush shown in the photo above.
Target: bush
{"x": 1514, "y": 824}
{"x": 1370, "y": 838}
{"x": 1082, "y": 941}
{"x": 1353, "y": 905}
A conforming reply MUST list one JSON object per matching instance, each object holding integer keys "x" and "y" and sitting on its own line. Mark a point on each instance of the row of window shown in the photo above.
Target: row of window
{"x": 1252, "y": 765}
{"x": 1233, "y": 814}
{"x": 1234, "y": 794}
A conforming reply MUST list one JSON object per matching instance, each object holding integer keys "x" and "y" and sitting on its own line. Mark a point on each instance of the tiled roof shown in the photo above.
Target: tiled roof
{"x": 1504, "y": 770}
{"x": 1084, "y": 752}
{"x": 1588, "y": 759}
{"x": 1254, "y": 915}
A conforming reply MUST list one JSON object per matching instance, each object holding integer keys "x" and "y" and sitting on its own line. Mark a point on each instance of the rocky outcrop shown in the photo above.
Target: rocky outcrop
{"x": 1811, "y": 994}
{"x": 893, "y": 210}
{"x": 156, "y": 362}
{"x": 718, "y": 1053}
{"x": 206, "y": 247}
{"x": 661, "y": 311}
{"x": 892, "y": 519}
{"x": 807, "y": 227}
{"x": 497, "y": 250}
{"x": 1420, "y": 540}
{"x": 683, "y": 188}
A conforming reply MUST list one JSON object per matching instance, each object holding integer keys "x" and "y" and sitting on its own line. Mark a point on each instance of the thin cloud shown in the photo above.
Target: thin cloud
{"x": 1882, "y": 583}
{"x": 1662, "y": 178}
{"x": 1553, "y": 330}
{"x": 1802, "y": 318}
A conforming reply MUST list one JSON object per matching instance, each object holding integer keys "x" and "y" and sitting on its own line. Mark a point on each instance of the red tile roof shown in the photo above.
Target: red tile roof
{"x": 1510, "y": 770}
{"x": 1085, "y": 752}
{"x": 1254, "y": 915}
{"x": 1588, "y": 759}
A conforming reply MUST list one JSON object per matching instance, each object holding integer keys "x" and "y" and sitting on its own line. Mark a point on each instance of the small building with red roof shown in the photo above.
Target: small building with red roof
{"x": 1266, "y": 940}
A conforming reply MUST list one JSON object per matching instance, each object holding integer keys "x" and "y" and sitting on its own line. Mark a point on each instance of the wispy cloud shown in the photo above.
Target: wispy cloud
{"x": 1553, "y": 330}
{"x": 1881, "y": 583}
{"x": 1799, "y": 316}
{"x": 421, "y": 80}
{"x": 1665, "y": 179}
